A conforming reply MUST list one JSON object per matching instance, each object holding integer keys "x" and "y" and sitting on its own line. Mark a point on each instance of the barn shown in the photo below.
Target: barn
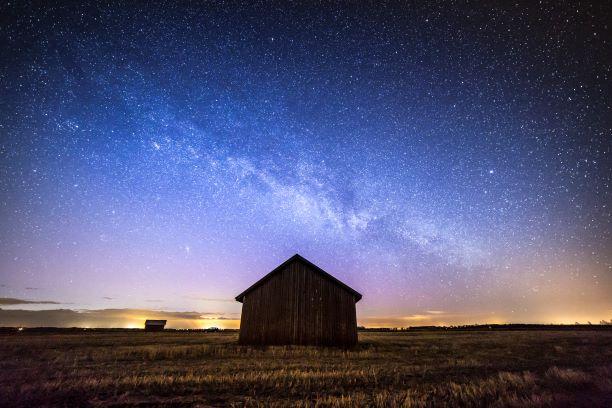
{"x": 298, "y": 303}
{"x": 154, "y": 325}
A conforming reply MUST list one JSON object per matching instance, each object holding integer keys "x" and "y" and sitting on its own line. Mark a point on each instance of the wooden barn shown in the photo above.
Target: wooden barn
{"x": 154, "y": 325}
{"x": 298, "y": 303}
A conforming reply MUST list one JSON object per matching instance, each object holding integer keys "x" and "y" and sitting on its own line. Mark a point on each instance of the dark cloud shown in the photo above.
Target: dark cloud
{"x": 111, "y": 318}
{"x": 107, "y": 298}
{"x": 219, "y": 314}
{"x": 31, "y": 288}
{"x": 13, "y": 301}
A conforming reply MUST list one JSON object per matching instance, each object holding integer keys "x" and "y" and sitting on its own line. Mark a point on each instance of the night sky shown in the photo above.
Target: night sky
{"x": 451, "y": 162}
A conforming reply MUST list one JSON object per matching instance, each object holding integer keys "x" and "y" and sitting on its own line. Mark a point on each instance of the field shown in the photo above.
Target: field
{"x": 480, "y": 368}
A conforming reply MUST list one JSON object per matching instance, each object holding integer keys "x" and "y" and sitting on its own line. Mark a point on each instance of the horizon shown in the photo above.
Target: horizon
{"x": 452, "y": 165}
{"x": 527, "y": 326}
{"x": 234, "y": 324}
{"x": 123, "y": 318}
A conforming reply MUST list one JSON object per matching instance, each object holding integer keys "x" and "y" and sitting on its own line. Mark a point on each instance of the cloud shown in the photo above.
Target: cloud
{"x": 438, "y": 318}
{"x": 415, "y": 317}
{"x": 107, "y": 298}
{"x": 30, "y": 288}
{"x": 13, "y": 301}
{"x": 212, "y": 299}
{"x": 127, "y": 318}
{"x": 424, "y": 318}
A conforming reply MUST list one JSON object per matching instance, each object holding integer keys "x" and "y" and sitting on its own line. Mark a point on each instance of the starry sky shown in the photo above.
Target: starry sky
{"x": 451, "y": 162}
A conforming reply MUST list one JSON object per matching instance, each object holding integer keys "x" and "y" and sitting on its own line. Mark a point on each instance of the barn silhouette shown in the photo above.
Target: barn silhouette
{"x": 298, "y": 303}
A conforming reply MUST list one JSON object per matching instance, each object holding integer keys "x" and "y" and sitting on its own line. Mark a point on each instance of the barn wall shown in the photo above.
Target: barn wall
{"x": 298, "y": 306}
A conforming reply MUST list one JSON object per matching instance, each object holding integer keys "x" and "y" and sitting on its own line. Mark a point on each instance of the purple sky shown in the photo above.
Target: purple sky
{"x": 452, "y": 164}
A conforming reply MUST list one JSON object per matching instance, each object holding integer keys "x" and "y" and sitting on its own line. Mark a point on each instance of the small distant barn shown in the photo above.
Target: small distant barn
{"x": 155, "y": 325}
{"x": 298, "y": 303}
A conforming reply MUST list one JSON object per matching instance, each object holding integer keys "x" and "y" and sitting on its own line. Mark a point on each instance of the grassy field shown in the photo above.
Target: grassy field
{"x": 499, "y": 368}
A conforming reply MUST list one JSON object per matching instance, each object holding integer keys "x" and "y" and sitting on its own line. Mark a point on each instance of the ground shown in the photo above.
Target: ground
{"x": 480, "y": 368}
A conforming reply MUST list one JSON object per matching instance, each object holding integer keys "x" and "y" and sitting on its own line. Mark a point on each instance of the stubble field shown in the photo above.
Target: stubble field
{"x": 481, "y": 368}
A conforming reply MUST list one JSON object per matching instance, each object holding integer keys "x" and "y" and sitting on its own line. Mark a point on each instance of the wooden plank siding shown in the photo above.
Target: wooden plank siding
{"x": 298, "y": 306}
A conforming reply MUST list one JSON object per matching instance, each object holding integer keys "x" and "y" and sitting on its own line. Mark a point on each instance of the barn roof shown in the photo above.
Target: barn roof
{"x": 155, "y": 322}
{"x": 315, "y": 268}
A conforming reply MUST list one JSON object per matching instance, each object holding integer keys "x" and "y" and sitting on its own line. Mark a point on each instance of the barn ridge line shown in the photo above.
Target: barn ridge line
{"x": 299, "y": 258}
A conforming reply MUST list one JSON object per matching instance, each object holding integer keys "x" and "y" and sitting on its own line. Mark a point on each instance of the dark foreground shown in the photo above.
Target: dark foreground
{"x": 502, "y": 368}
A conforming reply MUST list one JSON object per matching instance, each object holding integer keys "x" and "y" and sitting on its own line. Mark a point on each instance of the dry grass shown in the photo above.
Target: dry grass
{"x": 527, "y": 368}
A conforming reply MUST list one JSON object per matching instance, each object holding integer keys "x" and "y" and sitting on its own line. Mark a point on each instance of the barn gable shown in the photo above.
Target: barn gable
{"x": 314, "y": 268}
{"x": 154, "y": 325}
{"x": 298, "y": 303}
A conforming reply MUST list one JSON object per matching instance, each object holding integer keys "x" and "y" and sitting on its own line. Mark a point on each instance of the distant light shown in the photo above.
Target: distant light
{"x": 20, "y": 329}
{"x": 491, "y": 171}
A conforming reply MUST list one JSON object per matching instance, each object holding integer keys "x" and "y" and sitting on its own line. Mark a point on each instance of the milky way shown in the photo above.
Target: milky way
{"x": 450, "y": 162}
